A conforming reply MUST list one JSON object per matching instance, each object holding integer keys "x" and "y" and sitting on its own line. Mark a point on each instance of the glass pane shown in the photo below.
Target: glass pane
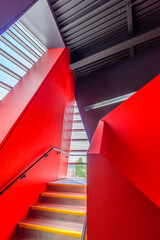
{"x": 19, "y": 46}
{"x": 78, "y": 148}
{"x": 25, "y": 41}
{"x": 79, "y": 135}
{"x": 79, "y": 145}
{"x": 30, "y": 36}
{"x": 13, "y": 67}
{"x": 15, "y": 55}
{"x": 3, "y": 93}
{"x": 77, "y": 171}
{"x": 8, "y": 79}
{"x": 73, "y": 159}
{"x": 77, "y": 117}
{"x": 76, "y": 110}
{"x": 78, "y": 153}
{"x": 8, "y": 61}
{"x": 78, "y": 125}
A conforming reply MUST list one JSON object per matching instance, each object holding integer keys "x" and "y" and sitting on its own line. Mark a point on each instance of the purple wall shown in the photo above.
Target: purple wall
{"x": 41, "y": 22}
{"x": 11, "y": 11}
{"x": 123, "y": 77}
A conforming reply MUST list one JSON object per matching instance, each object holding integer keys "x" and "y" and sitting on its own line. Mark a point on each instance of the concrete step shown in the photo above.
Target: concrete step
{"x": 53, "y": 186}
{"x": 65, "y": 198}
{"x": 22, "y": 238}
{"x": 58, "y": 212}
{"x": 41, "y": 228}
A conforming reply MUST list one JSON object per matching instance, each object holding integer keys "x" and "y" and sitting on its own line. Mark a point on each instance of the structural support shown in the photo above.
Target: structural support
{"x": 117, "y": 48}
{"x": 130, "y": 25}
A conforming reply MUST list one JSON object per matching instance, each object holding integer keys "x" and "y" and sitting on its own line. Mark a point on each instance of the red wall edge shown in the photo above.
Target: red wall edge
{"x": 123, "y": 199}
{"x": 39, "y": 110}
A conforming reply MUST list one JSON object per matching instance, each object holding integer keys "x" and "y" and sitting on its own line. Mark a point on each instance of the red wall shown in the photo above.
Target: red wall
{"x": 124, "y": 170}
{"x": 36, "y": 114}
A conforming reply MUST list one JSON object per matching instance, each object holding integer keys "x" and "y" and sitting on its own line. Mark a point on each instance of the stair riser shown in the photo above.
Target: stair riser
{"x": 57, "y": 216}
{"x": 65, "y": 201}
{"x": 23, "y": 232}
{"x": 66, "y": 189}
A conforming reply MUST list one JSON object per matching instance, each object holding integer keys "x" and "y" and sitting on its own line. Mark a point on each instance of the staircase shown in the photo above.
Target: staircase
{"x": 59, "y": 215}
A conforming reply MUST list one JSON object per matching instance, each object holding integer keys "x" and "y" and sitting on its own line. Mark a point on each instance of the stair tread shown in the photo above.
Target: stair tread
{"x": 21, "y": 238}
{"x": 67, "y": 184}
{"x": 61, "y": 206}
{"x": 57, "y": 224}
{"x": 64, "y": 193}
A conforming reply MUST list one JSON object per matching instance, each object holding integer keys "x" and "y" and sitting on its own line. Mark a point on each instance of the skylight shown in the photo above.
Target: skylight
{"x": 20, "y": 50}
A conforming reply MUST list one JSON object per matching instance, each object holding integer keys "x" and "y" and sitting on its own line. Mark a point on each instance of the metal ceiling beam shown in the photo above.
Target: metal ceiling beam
{"x": 97, "y": 24}
{"x": 96, "y": 65}
{"x": 117, "y": 48}
{"x": 97, "y": 35}
{"x": 101, "y": 16}
{"x": 130, "y": 24}
{"x": 85, "y": 17}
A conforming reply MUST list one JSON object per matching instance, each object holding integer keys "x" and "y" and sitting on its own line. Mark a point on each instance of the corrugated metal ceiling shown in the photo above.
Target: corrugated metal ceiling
{"x": 91, "y": 26}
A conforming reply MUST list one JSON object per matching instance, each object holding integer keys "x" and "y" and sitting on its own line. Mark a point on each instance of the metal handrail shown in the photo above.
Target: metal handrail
{"x": 60, "y": 151}
{"x": 84, "y": 228}
{"x": 23, "y": 174}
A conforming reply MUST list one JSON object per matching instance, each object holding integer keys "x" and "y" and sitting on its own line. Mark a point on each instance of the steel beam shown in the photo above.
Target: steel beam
{"x": 130, "y": 24}
{"x": 117, "y": 48}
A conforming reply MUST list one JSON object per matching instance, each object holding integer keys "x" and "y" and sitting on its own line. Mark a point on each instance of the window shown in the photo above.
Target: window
{"x": 78, "y": 148}
{"x": 20, "y": 50}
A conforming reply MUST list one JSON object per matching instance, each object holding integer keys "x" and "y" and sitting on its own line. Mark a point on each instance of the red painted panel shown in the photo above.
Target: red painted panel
{"x": 134, "y": 129}
{"x": 43, "y": 118}
{"x": 116, "y": 209}
{"x": 15, "y": 202}
{"x": 124, "y": 172}
{"x": 23, "y": 92}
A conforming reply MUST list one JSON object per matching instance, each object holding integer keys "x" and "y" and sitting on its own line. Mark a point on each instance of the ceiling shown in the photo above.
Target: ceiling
{"x": 40, "y": 21}
{"x": 101, "y": 32}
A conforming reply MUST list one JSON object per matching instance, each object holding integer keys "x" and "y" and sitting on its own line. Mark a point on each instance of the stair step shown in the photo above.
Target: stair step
{"x": 71, "y": 195}
{"x": 22, "y": 238}
{"x": 68, "y": 209}
{"x": 47, "y": 229}
{"x": 52, "y": 186}
{"x": 59, "y": 212}
{"x": 63, "y": 198}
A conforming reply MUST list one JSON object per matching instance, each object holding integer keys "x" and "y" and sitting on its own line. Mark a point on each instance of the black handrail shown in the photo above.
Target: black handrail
{"x": 23, "y": 174}
{"x": 84, "y": 228}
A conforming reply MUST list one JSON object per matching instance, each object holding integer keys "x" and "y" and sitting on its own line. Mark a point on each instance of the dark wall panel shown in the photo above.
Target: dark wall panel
{"x": 123, "y": 77}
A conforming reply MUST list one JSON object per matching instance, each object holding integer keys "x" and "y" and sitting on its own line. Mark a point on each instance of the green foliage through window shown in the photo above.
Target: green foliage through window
{"x": 80, "y": 170}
